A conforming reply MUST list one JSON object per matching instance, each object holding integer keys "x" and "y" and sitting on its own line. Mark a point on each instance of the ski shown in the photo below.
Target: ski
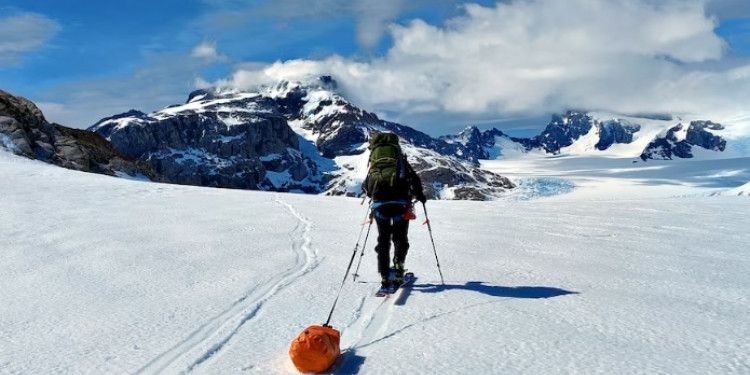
{"x": 385, "y": 292}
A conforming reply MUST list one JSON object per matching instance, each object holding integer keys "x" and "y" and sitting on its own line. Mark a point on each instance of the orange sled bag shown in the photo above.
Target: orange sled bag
{"x": 315, "y": 349}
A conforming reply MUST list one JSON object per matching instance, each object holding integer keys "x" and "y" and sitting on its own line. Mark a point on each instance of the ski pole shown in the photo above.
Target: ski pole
{"x": 429, "y": 228}
{"x": 362, "y": 253}
{"x": 349, "y": 267}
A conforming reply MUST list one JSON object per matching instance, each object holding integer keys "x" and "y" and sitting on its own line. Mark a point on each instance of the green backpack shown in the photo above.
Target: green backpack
{"x": 385, "y": 164}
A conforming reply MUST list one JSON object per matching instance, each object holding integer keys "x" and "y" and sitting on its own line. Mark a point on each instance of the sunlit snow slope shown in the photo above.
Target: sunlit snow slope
{"x": 110, "y": 276}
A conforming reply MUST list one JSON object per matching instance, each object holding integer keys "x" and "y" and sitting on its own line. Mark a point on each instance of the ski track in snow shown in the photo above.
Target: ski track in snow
{"x": 375, "y": 323}
{"x": 212, "y": 337}
{"x": 370, "y": 322}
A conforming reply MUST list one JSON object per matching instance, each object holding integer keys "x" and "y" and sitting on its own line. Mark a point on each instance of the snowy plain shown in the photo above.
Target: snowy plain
{"x": 591, "y": 267}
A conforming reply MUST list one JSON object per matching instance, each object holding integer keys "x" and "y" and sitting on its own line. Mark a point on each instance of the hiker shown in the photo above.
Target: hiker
{"x": 391, "y": 183}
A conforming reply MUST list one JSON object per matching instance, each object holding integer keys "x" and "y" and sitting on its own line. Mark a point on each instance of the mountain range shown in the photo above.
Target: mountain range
{"x": 306, "y": 137}
{"x": 289, "y": 137}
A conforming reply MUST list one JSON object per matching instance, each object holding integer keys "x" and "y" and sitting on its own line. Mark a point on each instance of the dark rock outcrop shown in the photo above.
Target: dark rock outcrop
{"x": 28, "y": 132}
{"x": 25, "y": 131}
{"x": 615, "y": 131}
{"x": 673, "y": 144}
{"x": 562, "y": 131}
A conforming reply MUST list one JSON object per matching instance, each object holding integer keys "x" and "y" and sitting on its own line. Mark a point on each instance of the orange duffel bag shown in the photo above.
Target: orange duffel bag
{"x": 315, "y": 349}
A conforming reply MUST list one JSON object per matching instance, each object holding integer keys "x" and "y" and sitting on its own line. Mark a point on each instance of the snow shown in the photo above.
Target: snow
{"x": 307, "y": 134}
{"x": 506, "y": 148}
{"x": 228, "y": 139}
{"x": 740, "y": 190}
{"x": 278, "y": 179}
{"x": 735, "y": 132}
{"x": 270, "y": 157}
{"x": 232, "y": 120}
{"x": 583, "y": 145}
{"x": 591, "y": 177}
{"x": 6, "y": 144}
{"x": 222, "y": 104}
{"x": 121, "y": 123}
{"x": 636, "y": 269}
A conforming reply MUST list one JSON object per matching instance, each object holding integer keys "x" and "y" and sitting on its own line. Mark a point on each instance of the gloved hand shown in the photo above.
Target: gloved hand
{"x": 420, "y": 197}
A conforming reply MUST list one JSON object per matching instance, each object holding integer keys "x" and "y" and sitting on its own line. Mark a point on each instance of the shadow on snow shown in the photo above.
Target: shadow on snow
{"x": 350, "y": 362}
{"x": 496, "y": 291}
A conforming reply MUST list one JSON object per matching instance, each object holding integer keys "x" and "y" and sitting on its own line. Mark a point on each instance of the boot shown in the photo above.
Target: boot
{"x": 398, "y": 278}
{"x": 385, "y": 283}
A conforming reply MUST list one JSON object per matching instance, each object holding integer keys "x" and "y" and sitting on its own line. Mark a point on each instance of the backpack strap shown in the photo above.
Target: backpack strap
{"x": 400, "y": 156}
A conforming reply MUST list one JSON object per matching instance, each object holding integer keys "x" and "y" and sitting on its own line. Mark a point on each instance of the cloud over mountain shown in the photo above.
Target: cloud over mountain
{"x": 539, "y": 56}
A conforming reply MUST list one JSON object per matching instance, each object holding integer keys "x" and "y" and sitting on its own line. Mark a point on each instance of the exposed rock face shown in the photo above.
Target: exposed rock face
{"x": 615, "y": 131}
{"x": 25, "y": 131}
{"x": 562, "y": 131}
{"x": 217, "y": 140}
{"x": 679, "y": 141}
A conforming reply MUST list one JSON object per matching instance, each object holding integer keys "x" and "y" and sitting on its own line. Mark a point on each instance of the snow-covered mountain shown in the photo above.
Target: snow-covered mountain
{"x": 605, "y": 134}
{"x": 288, "y": 137}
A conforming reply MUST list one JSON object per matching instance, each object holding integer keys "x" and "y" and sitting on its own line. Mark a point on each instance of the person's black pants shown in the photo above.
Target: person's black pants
{"x": 396, "y": 231}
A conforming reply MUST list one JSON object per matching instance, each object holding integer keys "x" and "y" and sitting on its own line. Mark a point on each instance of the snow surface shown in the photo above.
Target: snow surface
{"x": 585, "y": 177}
{"x": 635, "y": 270}
{"x": 741, "y": 190}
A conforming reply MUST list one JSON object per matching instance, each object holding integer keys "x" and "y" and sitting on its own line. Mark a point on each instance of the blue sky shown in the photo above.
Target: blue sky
{"x": 437, "y": 65}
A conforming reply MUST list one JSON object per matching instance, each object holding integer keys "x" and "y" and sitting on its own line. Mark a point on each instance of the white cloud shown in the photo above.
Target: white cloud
{"x": 373, "y": 17}
{"x": 22, "y": 34}
{"x": 538, "y": 56}
{"x": 208, "y": 52}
